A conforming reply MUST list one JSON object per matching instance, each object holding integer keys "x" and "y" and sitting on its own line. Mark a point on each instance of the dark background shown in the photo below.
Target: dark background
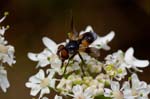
{"x": 30, "y": 20}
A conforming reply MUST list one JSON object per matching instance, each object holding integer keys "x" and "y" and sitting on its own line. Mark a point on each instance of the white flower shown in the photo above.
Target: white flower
{"x": 79, "y": 93}
{"x": 4, "y": 83}
{"x": 73, "y": 67}
{"x": 51, "y": 45}
{"x": 6, "y": 51}
{"x": 115, "y": 71}
{"x": 94, "y": 65}
{"x": 97, "y": 87}
{"x": 138, "y": 90}
{"x": 7, "y": 54}
{"x": 103, "y": 78}
{"x": 101, "y": 42}
{"x": 117, "y": 63}
{"x": 114, "y": 92}
{"x": 43, "y": 58}
{"x": 40, "y": 83}
{"x": 48, "y": 55}
{"x": 65, "y": 86}
{"x": 133, "y": 62}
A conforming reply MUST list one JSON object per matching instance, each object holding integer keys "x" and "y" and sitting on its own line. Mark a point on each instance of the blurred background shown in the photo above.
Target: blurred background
{"x": 30, "y": 20}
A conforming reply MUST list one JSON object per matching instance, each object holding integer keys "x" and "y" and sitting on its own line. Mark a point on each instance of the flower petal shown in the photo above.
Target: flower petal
{"x": 130, "y": 59}
{"x": 32, "y": 56}
{"x": 101, "y": 42}
{"x": 88, "y": 29}
{"x": 35, "y": 91}
{"x": 126, "y": 85}
{"x": 88, "y": 92}
{"x": 108, "y": 37}
{"x": 44, "y": 91}
{"x": 77, "y": 89}
{"x": 115, "y": 86}
{"x": 50, "y": 44}
{"x": 4, "y": 83}
{"x": 39, "y": 76}
{"x": 135, "y": 81}
{"x": 57, "y": 97}
{"x": 140, "y": 63}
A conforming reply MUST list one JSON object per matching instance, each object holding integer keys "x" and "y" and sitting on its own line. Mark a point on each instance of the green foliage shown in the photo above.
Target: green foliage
{"x": 102, "y": 97}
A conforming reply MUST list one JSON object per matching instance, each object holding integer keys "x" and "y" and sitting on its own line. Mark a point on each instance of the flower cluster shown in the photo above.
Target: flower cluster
{"x": 87, "y": 77}
{"x": 6, "y": 56}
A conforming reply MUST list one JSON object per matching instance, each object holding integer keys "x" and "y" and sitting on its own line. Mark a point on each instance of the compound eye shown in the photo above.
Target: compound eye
{"x": 62, "y": 52}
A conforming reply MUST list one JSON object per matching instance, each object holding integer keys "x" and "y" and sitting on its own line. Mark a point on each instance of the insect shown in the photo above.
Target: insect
{"x": 77, "y": 43}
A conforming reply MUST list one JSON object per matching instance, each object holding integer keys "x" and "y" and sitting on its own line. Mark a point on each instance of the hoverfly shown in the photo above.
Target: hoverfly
{"x": 77, "y": 43}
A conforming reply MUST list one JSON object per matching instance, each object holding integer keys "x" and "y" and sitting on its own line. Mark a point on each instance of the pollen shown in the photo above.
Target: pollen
{"x": 44, "y": 82}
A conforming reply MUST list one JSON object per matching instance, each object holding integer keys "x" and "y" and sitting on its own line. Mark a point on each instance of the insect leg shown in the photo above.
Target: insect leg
{"x": 82, "y": 62}
{"x": 68, "y": 62}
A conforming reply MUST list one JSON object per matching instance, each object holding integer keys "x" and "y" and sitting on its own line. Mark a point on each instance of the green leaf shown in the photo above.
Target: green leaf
{"x": 102, "y": 97}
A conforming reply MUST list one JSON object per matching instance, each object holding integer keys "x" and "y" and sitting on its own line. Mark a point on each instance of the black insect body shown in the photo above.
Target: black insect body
{"x": 72, "y": 46}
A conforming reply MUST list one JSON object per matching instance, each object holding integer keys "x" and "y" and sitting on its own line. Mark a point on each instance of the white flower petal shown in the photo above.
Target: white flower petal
{"x": 140, "y": 63}
{"x": 52, "y": 83}
{"x": 50, "y": 44}
{"x": 130, "y": 59}
{"x": 77, "y": 89}
{"x": 127, "y": 93}
{"x": 44, "y": 91}
{"x": 35, "y": 91}
{"x": 39, "y": 76}
{"x": 115, "y": 86}
{"x": 4, "y": 83}
{"x": 58, "y": 97}
{"x": 88, "y": 29}
{"x": 32, "y": 56}
{"x": 32, "y": 85}
{"x": 126, "y": 85}
{"x": 34, "y": 79}
{"x": 88, "y": 92}
{"x": 108, "y": 37}
{"x": 135, "y": 81}
{"x": 101, "y": 42}
{"x": 55, "y": 62}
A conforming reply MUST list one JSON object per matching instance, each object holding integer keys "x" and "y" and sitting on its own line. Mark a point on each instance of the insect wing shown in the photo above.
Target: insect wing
{"x": 94, "y": 52}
